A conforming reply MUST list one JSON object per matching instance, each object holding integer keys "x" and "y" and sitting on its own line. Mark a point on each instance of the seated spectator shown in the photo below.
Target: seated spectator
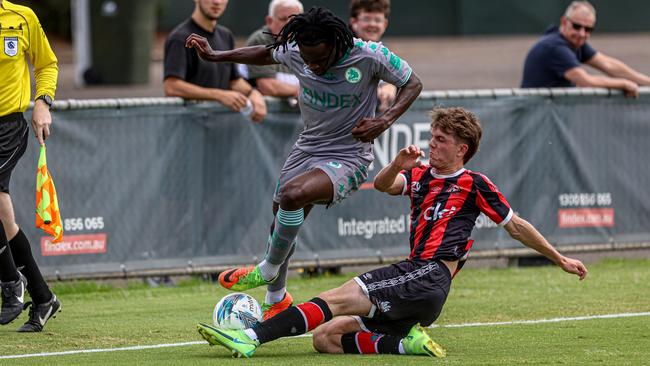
{"x": 555, "y": 60}
{"x": 368, "y": 21}
{"x": 275, "y": 80}
{"x": 188, "y": 76}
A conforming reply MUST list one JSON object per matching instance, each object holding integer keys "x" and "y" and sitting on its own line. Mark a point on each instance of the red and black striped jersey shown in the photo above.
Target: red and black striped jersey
{"x": 444, "y": 209}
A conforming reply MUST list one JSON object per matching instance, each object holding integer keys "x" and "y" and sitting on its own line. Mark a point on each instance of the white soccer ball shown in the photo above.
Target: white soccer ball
{"x": 236, "y": 311}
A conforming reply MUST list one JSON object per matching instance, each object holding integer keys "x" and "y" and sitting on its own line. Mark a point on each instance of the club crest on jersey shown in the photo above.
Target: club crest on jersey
{"x": 353, "y": 75}
{"x": 11, "y": 46}
{"x": 453, "y": 189}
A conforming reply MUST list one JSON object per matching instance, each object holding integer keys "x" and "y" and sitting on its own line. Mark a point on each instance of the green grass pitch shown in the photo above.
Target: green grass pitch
{"x": 104, "y": 317}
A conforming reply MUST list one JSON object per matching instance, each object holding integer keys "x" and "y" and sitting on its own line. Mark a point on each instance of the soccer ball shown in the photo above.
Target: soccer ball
{"x": 236, "y": 311}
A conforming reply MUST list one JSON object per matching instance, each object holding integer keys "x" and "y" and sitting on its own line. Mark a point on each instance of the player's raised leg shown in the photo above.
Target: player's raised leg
{"x": 277, "y": 298}
{"x": 305, "y": 189}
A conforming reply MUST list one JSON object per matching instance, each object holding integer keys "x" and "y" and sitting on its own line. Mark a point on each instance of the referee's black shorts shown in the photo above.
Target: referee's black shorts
{"x": 404, "y": 294}
{"x": 14, "y": 132}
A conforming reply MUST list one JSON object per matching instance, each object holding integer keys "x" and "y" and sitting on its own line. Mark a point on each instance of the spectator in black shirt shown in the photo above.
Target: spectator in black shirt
{"x": 190, "y": 77}
{"x": 555, "y": 60}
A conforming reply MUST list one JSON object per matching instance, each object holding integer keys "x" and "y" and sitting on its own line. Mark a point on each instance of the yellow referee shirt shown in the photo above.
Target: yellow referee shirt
{"x": 22, "y": 36}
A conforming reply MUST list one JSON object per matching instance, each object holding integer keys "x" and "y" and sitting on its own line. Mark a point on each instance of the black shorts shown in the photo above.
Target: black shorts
{"x": 404, "y": 294}
{"x": 13, "y": 143}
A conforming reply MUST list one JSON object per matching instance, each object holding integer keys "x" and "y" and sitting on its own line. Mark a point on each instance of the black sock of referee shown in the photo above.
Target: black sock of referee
{"x": 36, "y": 285}
{"x": 295, "y": 320}
{"x": 8, "y": 271}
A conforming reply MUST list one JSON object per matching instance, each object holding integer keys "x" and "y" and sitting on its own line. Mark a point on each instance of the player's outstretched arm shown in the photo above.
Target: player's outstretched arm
{"x": 387, "y": 180}
{"x": 526, "y": 233}
{"x": 369, "y": 129}
{"x": 254, "y": 55}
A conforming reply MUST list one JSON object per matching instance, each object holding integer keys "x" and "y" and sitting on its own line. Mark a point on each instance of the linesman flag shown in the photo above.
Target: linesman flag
{"x": 48, "y": 216}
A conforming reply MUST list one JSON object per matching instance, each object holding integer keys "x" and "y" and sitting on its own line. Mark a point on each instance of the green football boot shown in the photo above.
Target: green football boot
{"x": 235, "y": 340}
{"x": 241, "y": 279}
{"x": 418, "y": 342}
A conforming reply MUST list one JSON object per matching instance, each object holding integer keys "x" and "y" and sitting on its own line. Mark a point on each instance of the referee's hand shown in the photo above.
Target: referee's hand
{"x": 41, "y": 120}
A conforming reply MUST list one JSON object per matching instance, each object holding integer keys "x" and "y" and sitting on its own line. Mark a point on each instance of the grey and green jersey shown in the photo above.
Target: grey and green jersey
{"x": 333, "y": 103}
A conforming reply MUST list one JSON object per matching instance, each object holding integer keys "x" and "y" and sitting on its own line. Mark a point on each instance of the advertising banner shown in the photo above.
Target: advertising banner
{"x": 168, "y": 186}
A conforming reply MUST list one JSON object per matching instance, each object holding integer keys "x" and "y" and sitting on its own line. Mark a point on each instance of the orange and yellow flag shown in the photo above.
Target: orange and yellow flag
{"x": 48, "y": 216}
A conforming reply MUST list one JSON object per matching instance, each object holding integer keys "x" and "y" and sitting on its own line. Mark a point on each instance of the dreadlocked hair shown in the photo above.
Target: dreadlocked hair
{"x": 315, "y": 26}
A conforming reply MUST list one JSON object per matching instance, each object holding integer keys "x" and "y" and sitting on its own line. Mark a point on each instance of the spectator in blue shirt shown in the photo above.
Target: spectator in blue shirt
{"x": 555, "y": 60}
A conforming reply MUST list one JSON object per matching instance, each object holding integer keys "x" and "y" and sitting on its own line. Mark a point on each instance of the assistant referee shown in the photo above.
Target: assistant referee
{"x": 22, "y": 37}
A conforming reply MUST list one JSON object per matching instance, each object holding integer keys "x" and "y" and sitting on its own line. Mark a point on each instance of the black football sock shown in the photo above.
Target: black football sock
{"x": 295, "y": 320}
{"x": 8, "y": 271}
{"x": 22, "y": 252}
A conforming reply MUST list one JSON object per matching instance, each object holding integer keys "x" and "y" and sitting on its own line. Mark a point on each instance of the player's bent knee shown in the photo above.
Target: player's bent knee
{"x": 293, "y": 196}
{"x": 324, "y": 340}
{"x": 319, "y": 340}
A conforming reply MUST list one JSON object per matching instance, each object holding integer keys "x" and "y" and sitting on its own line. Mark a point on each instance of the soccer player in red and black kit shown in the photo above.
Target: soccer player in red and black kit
{"x": 381, "y": 311}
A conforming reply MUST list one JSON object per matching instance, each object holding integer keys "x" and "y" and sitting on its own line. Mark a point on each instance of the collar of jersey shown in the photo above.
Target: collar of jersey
{"x": 344, "y": 57}
{"x": 445, "y": 176}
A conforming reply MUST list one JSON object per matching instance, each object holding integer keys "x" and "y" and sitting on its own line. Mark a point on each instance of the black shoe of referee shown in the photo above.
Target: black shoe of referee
{"x": 13, "y": 297}
{"x": 40, "y": 314}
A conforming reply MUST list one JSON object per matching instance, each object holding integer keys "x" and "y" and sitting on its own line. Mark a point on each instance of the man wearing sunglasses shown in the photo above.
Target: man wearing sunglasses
{"x": 555, "y": 60}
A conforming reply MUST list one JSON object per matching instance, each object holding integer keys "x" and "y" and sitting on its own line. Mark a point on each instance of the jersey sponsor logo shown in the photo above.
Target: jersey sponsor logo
{"x": 434, "y": 213}
{"x": 330, "y": 100}
{"x": 11, "y": 46}
{"x": 334, "y": 164}
{"x": 353, "y": 75}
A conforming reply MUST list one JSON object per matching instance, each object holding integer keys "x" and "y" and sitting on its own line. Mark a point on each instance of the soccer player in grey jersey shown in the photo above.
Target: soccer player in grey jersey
{"x": 338, "y": 77}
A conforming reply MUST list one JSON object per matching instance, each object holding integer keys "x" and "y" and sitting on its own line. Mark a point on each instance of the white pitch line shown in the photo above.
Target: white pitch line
{"x": 166, "y": 345}
{"x": 97, "y": 350}
{"x": 540, "y": 321}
